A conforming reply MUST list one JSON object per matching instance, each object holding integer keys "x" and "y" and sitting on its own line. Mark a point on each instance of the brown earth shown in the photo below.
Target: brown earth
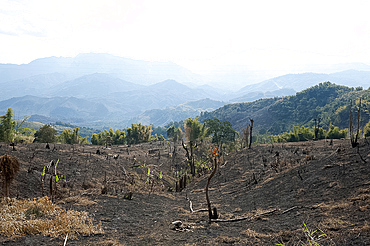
{"x": 274, "y": 188}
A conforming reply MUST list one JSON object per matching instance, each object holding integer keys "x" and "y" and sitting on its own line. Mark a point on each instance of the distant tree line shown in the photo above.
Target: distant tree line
{"x": 135, "y": 134}
{"x": 306, "y": 133}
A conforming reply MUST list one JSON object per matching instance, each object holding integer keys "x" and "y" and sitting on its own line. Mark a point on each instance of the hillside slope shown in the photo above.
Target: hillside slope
{"x": 161, "y": 117}
{"x": 325, "y": 185}
{"x": 326, "y": 101}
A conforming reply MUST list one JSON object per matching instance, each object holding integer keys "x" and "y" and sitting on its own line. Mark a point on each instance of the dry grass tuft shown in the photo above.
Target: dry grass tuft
{"x": 333, "y": 224}
{"x": 41, "y": 216}
{"x": 253, "y": 234}
{"x": 79, "y": 201}
{"x": 227, "y": 240}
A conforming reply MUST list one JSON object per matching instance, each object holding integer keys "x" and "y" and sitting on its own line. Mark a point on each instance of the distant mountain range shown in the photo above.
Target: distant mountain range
{"x": 299, "y": 82}
{"x": 98, "y": 90}
{"x": 135, "y": 71}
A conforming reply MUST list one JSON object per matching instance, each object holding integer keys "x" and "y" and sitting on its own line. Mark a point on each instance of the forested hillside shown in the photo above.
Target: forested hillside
{"x": 327, "y": 101}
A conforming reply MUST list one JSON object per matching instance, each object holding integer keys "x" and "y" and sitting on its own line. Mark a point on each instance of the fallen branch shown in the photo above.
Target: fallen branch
{"x": 358, "y": 152}
{"x": 286, "y": 211}
{"x": 195, "y": 211}
{"x": 65, "y": 240}
{"x": 124, "y": 170}
{"x": 245, "y": 218}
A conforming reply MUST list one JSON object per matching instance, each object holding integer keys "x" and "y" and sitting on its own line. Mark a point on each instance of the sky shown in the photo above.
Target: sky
{"x": 201, "y": 35}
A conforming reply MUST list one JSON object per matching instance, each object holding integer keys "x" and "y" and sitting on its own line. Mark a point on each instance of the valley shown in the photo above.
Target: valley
{"x": 100, "y": 90}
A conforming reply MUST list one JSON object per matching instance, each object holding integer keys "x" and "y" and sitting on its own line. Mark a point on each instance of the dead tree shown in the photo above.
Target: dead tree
{"x": 250, "y": 131}
{"x": 245, "y": 140}
{"x": 13, "y": 144}
{"x": 190, "y": 155}
{"x": 181, "y": 184}
{"x": 212, "y": 215}
{"x": 353, "y": 136}
{"x": 9, "y": 166}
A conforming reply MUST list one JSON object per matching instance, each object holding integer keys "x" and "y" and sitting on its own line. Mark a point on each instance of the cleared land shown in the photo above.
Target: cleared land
{"x": 273, "y": 188}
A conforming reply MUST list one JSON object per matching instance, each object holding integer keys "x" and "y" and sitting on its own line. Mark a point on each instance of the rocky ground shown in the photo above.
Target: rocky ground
{"x": 263, "y": 195}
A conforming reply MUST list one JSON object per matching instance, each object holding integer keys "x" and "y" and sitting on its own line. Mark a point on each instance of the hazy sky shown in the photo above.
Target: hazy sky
{"x": 200, "y": 35}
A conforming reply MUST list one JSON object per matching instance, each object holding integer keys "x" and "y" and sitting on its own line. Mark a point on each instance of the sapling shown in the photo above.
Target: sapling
{"x": 149, "y": 180}
{"x": 57, "y": 178}
{"x": 313, "y": 238}
{"x": 42, "y": 179}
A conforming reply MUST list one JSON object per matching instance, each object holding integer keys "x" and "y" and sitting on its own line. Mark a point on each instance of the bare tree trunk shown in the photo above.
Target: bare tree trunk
{"x": 192, "y": 163}
{"x": 210, "y": 214}
{"x": 245, "y": 140}
{"x": 250, "y": 131}
{"x": 353, "y": 137}
{"x": 350, "y": 121}
{"x": 189, "y": 156}
{"x": 358, "y": 121}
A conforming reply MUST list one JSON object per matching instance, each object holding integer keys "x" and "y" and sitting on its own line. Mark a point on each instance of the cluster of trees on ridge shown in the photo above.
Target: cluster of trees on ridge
{"x": 306, "y": 133}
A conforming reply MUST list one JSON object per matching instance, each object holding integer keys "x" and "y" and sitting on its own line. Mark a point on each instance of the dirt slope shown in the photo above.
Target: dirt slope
{"x": 275, "y": 187}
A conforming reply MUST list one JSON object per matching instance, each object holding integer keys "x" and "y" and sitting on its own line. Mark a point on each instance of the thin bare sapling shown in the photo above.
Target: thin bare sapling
{"x": 212, "y": 215}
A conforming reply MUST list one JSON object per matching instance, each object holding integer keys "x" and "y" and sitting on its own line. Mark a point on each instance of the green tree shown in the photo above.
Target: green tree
{"x": 367, "y": 129}
{"x": 194, "y": 132}
{"x": 334, "y": 133}
{"x": 26, "y": 131}
{"x": 99, "y": 138}
{"x": 95, "y": 139}
{"x": 138, "y": 133}
{"x": 7, "y": 125}
{"x": 174, "y": 133}
{"x": 221, "y": 132}
{"x": 72, "y": 137}
{"x": 46, "y": 134}
{"x": 157, "y": 138}
{"x": 116, "y": 137}
{"x": 119, "y": 137}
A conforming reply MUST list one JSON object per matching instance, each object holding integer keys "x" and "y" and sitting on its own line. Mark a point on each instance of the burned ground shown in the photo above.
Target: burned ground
{"x": 274, "y": 188}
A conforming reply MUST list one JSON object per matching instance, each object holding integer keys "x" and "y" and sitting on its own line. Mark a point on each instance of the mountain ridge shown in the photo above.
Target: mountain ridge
{"x": 99, "y": 80}
{"x": 327, "y": 101}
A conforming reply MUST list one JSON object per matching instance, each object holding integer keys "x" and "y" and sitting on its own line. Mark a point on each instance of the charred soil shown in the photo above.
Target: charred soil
{"x": 263, "y": 195}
